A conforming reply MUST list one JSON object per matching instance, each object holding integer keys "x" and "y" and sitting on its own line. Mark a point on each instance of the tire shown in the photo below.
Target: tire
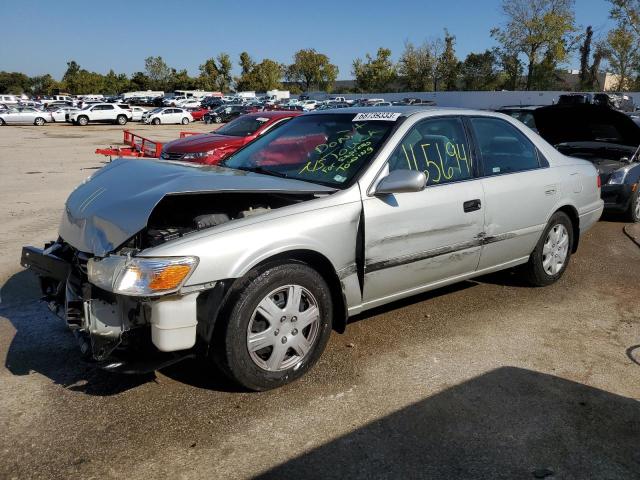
{"x": 185, "y": 121}
{"x": 262, "y": 307}
{"x": 633, "y": 214}
{"x": 156, "y": 121}
{"x": 2, "y": 122}
{"x": 39, "y": 121}
{"x": 121, "y": 120}
{"x": 218, "y": 120}
{"x": 551, "y": 256}
{"x": 83, "y": 120}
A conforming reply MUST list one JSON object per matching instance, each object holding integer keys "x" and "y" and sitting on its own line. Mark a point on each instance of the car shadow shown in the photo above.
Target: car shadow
{"x": 508, "y": 423}
{"x": 42, "y": 343}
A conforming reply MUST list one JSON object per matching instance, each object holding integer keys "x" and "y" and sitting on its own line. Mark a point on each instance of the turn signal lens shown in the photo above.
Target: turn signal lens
{"x": 170, "y": 277}
{"x": 154, "y": 276}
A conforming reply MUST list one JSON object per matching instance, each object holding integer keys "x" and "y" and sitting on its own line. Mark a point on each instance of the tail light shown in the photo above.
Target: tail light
{"x": 599, "y": 182}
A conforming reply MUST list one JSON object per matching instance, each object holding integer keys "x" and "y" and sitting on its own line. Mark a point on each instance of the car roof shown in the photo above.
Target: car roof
{"x": 275, "y": 114}
{"x": 403, "y": 110}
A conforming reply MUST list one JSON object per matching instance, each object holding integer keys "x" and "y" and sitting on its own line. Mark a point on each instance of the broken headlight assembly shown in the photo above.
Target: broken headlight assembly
{"x": 139, "y": 276}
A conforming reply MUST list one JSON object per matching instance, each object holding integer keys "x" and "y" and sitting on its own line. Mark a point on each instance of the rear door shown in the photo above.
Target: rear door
{"x": 520, "y": 190}
{"x": 421, "y": 238}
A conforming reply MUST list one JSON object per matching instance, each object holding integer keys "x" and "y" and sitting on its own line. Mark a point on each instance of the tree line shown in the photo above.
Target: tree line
{"x": 535, "y": 39}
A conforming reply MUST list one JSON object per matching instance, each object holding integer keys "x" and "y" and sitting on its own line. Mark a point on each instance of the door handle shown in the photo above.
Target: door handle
{"x": 472, "y": 205}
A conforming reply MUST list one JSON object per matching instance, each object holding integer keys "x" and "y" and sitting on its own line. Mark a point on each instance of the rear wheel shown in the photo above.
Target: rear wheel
{"x": 156, "y": 121}
{"x": 2, "y": 122}
{"x": 83, "y": 120}
{"x": 276, "y": 326}
{"x": 121, "y": 120}
{"x": 551, "y": 256}
{"x": 185, "y": 121}
{"x": 39, "y": 121}
{"x": 218, "y": 120}
{"x": 633, "y": 214}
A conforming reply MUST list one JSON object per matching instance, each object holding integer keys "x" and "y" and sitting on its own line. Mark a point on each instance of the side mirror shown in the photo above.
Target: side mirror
{"x": 402, "y": 181}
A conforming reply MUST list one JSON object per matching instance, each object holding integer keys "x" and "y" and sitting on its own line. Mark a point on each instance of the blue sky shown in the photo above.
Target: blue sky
{"x": 41, "y": 36}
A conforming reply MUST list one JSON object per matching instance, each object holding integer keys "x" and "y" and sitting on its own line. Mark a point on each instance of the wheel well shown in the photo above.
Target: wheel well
{"x": 572, "y": 213}
{"x": 324, "y": 267}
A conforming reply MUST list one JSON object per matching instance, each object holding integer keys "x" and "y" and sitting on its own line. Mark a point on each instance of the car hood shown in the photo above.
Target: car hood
{"x": 202, "y": 143}
{"x": 115, "y": 203}
{"x": 575, "y": 123}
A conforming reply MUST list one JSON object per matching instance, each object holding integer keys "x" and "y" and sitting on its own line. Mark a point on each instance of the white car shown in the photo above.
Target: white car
{"x": 189, "y": 103}
{"x": 173, "y": 101}
{"x": 309, "y": 105}
{"x": 24, "y": 116}
{"x": 137, "y": 113}
{"x": 60, "y": 114}
{"x": 101, "y": 112}
{"x": 167, "y": 115}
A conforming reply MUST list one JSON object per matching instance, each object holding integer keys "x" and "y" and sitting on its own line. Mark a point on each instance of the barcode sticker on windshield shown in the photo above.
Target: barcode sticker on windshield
{"x": 386, "y": 116}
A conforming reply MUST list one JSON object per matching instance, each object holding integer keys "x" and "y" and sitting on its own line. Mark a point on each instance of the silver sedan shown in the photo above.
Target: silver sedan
{"x": 24, "y": 116}
{"x": 254, "y": 262}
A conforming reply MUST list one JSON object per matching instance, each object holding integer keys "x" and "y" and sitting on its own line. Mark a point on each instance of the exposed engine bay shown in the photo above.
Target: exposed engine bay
{"x": 179, "y": 215}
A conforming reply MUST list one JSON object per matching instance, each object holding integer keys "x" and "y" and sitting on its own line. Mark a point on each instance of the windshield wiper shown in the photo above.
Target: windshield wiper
{"x": 264, "y": 171}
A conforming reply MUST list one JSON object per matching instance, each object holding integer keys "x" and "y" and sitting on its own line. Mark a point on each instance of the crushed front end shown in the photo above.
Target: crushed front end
{"x": 118, "y": 306}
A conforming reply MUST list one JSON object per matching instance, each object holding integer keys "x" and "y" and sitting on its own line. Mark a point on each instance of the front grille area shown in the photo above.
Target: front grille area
{"x": 172, "y": 155}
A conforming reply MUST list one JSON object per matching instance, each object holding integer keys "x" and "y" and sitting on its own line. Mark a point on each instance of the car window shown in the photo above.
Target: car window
{"x": 504, "y": 149}
{"x": 107, "y": 107}
{"x": 438, "y": 147}
{"x": 242, "y": 127}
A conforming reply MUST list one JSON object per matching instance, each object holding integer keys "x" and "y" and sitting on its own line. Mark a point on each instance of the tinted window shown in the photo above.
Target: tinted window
{"x": 438, "y": 147}
{"x": 504, "y": 148}
{"x": 107, "y": 107}
{"x": 243, "y": 126}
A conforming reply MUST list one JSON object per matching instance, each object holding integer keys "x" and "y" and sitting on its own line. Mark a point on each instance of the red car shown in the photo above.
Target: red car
{"x": 197, "y": 113}
{"x": 211, "y": 148}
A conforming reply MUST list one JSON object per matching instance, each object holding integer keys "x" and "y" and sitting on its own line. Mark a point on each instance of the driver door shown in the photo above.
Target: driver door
{"x": 421, "y": 238}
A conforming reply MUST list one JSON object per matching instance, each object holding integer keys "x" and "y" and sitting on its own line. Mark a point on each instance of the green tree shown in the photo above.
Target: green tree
{"x": 448, "y": 64}
{"x": 158, "y": 72}
{"x": 541, "y": 30}
{"x": 209, "y": 73}
{"x": 375, "y": 74}
{"x": 139, "y": 81}
{"x": 114, "y": 83}
{"x": 312, "y": 69}
{"x": 479, "y": 71}
{"x": 14, "y": 82}
{"x": 416, "y": 67}
{"x": 262, "y": 76}
{"x": 43, "y": 84}
{"x": 627, "y": 12}
{"x": 225, "y": 66}
{"x": 624, "y": 56}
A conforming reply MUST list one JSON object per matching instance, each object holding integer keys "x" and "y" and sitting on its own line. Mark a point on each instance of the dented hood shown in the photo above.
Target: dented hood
{"x": 115, "y": 204}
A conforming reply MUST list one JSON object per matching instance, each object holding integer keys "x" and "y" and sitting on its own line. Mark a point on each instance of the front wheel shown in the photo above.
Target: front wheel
{"x": 83, "y": 121}
{"x": 218, "y": 120}
{"x": 633, "y": 213}
{"x": 275, "y": 327}
{"x": 156, "y": 121}
{"x": 551, "y": 256}
{"x": 2, "y": 123}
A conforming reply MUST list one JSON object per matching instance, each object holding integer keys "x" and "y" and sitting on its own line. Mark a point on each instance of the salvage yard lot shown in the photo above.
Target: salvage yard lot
{"x": 485, "y": 379}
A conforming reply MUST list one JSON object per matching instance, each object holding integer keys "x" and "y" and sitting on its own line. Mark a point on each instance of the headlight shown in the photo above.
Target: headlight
{"x": 617, "y": 177}
{"x": 142, "y": 277}
{"x": 197, "y": 155}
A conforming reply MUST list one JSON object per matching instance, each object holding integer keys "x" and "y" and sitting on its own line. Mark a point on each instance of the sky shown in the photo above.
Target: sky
{"x": 41, "y": 36}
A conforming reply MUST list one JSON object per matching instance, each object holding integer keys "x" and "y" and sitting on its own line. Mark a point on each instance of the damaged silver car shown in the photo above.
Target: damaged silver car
{"x": 252, "y": 263}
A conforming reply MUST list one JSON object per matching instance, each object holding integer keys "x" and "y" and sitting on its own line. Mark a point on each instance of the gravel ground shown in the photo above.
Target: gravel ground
{"x": 484, "y": 379}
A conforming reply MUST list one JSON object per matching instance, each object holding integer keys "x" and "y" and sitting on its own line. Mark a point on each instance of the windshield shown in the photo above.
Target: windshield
{"x": 328, "y": 149}
{"x": 242, "y": 126}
